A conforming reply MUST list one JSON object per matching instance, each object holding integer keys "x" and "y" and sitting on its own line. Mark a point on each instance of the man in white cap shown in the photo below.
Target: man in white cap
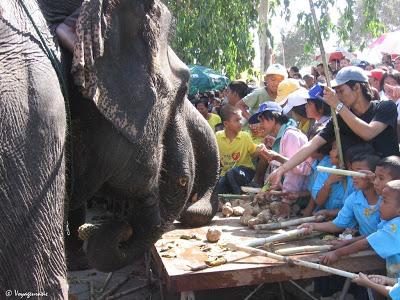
{"x": 273, "y": 76}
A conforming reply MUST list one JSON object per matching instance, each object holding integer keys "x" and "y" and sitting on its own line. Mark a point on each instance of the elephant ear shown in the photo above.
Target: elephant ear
{"x": 89, "y": 46}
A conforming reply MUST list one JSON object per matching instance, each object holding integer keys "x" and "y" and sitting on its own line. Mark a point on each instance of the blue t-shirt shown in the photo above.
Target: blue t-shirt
{"x": 337, "y": 193}
{"x": 394, "y": 292}
{"x": 386, "y": 243}
{"x": 357, "y": 211}
{"x": 324, "y": 162}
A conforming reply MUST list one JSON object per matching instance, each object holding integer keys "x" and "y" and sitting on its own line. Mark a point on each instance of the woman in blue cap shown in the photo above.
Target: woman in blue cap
{"x": 288, "y": 140}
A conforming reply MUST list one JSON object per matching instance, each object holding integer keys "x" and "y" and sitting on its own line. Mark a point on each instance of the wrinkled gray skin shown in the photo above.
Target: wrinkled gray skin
{"x": 32, "y": 164}
{"x": 170, "y": 155}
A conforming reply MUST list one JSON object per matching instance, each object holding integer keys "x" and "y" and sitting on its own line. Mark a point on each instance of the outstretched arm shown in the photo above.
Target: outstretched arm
{"x": 304, "y": 152}
{"x": 333, "y": 256}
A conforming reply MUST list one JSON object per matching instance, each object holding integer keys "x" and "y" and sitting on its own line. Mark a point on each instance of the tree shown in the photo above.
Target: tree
{"x": 360, "y": 36}
{"x": 215, "y": 33}
{"x": 293, "y": 43}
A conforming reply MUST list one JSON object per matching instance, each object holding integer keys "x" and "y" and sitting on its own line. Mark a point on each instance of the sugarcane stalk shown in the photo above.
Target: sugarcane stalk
{"x": 233, "y": 196}
{"x": 341, "y": 172}
{"x": 274, "y": 238}
{"x": 250, "y": 189}
{"x": 328, "y": 82}
{"x": 298, "y": 262}
{"x": 283, "y": 224}
{"x": 304, "y": 249}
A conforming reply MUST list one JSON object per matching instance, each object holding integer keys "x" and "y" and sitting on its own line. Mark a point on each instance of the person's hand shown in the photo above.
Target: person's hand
{"x": 308, "y": 226}
{"x": 329, "y": 258}
{"x": 362, "y": 280}
{"x": 339, "y": 243}
{"x": 322, "y": 212}
{"x": 269, "y": 155}
{"x": 333, "y": 178}
{"x": 370, "y": 174}
{"x": 330, "y": 97}
{"x": 269, "y": 140}
{"x": 392, "y": 91}
{"x": 275, "y": 177}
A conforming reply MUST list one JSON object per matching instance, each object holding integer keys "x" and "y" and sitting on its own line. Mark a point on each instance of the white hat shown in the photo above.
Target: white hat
{"x": 296, "y": 98}
{"x": 277, "y": 69}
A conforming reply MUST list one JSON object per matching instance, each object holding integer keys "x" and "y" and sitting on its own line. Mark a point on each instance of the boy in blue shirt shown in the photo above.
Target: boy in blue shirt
{"x": 386, "y": 240}
{"x": 360, "y": 208}
{"x": 328, "y": 191}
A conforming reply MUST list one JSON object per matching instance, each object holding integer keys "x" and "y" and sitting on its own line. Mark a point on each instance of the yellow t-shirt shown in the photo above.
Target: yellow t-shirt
{"x": 214, "y": 120}
{"x": 236, "y": 152}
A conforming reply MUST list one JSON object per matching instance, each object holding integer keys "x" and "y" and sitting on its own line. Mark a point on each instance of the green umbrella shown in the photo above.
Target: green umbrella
{"x": 204, "y": 79}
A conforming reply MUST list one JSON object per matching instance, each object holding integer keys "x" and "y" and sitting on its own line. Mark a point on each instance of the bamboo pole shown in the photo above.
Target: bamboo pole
{"x": 233, "y": 196}
{"x": 283, "y": 224}
{"x": 328, "y": 82}
{"x": 304, "y": 249}
{"x": 275, "y": 238}
{"x": 297, "y": 262}
{"x": 341, "y": 172}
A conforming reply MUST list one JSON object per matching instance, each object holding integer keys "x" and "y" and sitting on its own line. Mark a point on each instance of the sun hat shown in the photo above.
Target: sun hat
{"x": 277, "y": 69}
{"x": 286, "y": 87}
{"x": 349, "y": 73}
{"x": 296, "y": 98}
{"x": 266, "y": 106}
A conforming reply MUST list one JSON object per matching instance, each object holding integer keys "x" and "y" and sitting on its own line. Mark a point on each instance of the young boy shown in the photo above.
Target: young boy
{"x": 386, "y": 286}
{"x": 328, "y": 191}
{"x": 360, "y": 208}
{"x": 235, "y": 150}
{"x": 386, "y": 240}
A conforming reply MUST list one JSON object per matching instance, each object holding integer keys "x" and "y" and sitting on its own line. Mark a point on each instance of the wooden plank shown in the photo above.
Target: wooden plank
{"x": 245, "y": 270}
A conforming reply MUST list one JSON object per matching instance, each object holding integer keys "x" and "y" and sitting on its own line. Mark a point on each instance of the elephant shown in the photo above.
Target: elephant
{"x": 135, "y": 138}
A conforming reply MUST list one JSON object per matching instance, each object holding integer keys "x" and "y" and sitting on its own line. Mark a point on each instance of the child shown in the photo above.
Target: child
{"x": 386, "y": 240}
{"x": 360, "y": 208}
{"x": 328, "y": 191}
{"x": 202, "y": 107}
{"x": 386, "y": 286}
{"x": 235, "y": 150}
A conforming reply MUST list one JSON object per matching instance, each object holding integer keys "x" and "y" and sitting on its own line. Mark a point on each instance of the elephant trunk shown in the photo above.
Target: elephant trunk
{"x": 207, "y": 169}
{"x": 116, "y": 244}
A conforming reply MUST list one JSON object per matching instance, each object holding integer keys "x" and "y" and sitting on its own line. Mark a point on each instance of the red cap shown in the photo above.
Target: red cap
{"x": 376, "y": 73}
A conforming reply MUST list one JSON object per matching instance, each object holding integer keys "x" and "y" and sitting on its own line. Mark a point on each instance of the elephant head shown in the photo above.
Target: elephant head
{"x": 124, "y": 65}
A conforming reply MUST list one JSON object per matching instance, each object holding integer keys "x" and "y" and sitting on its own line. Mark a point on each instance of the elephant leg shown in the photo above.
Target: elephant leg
{"x": 207, "y": 169}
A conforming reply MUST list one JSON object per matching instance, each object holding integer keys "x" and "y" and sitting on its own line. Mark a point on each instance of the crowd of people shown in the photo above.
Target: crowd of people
{"x": 277, "y": 135}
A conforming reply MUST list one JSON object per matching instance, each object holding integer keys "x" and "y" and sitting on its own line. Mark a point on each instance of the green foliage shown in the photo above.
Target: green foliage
{"x": 215, "y": 33}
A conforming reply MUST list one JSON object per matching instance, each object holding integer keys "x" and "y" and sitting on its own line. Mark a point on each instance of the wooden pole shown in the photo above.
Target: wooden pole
{"x": 328, "y": 82}
{"x": 283, "y": 224}
{"x": 341, "y": 172}
{"x": 304, "y": 249}
{"x": 297, "y": 262}
{"x": 275, "y": 238}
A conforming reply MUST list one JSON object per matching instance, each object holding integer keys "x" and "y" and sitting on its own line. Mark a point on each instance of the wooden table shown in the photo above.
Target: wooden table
{"x": 245, "y": 270}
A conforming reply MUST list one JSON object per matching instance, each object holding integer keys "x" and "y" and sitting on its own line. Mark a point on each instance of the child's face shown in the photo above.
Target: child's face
{"x": 333, "y": 155}
{"x": 390, "y": 207}
{"x": 361, "y": 183}
{"x": 267, "y": 125}
{"x": 233, "y": 124}
{"x": 382, "y": 176}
